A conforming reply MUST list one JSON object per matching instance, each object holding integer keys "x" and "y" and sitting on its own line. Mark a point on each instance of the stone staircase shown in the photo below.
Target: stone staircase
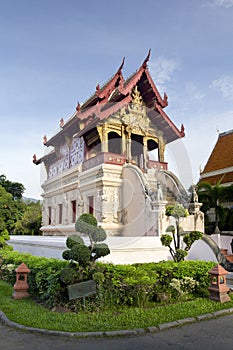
{"x": 229, "y": 276}
{"x": 229, "y": 257}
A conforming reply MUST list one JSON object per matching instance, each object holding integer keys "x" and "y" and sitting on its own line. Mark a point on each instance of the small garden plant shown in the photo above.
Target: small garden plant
{"x": 172, "y": 239}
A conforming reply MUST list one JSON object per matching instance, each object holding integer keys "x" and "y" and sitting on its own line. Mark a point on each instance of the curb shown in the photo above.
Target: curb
{"x": 120, "y": 333}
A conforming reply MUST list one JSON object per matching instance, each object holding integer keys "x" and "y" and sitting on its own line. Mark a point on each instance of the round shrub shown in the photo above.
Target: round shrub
{"x": 98, "y": 234}
{"x": 100, "y": 250}
{"x": 85, "y": 218}
{"x": 81, "y": 254}
{"x": 83, "y": 227}
{"x": 72, "y": 240}
{"x": 66, "y": 255}
{"x": 69, "y": 276}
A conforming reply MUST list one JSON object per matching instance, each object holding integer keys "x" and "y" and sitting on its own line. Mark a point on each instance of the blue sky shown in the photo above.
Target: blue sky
{"x": 54, "y": 52}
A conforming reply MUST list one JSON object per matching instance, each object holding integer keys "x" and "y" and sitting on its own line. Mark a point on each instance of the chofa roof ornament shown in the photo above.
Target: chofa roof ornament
{"x": 144, "y": 65}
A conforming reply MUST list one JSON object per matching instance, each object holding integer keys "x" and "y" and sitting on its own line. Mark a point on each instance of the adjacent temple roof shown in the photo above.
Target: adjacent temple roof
{"x": 219, "y": 167}
{"x": 112, "y": 96}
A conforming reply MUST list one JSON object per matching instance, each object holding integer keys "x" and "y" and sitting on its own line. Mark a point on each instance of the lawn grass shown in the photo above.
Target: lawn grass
{"x": 28, "y": 313}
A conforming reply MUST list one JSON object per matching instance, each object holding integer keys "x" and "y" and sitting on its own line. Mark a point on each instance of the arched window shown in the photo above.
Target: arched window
{"x": 153, "y": 150}
{"x": 114, "y": 143}
{"x": 137, "y": 150}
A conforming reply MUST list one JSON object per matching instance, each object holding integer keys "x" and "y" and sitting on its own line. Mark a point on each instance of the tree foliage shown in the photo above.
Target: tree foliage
{"x": 216, "y": 197}
{"x": 30, "y": 222}
{"x": 10, "y": 211}
{"x": 16, "y": 216}
{"x": 177, "y": 211}
{"x": 16, "y": 189}
{"x": 172, "y": 239}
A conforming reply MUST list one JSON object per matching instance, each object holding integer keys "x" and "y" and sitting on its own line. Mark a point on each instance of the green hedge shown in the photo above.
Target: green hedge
{"x": 136, "y": 284}
{"x": 43, "y": 278}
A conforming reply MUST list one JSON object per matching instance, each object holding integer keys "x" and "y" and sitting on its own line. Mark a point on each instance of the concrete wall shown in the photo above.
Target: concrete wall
{"x": 124, "y": 250}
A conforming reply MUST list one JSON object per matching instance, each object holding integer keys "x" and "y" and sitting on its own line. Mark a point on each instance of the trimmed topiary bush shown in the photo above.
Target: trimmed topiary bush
{"x": 80, "y": 253}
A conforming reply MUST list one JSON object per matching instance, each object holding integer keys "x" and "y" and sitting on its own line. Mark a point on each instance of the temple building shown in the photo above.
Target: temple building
{"x": 219, "y": 167}
{"x": 108, "y": 159}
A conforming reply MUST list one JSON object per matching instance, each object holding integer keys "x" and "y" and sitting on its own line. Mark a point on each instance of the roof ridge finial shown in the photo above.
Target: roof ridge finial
{"x": 61, "y": 123}
{"x": 182, "y": 130}
{"x": 97, "y": 89}
{"x": 78, "y": 107}
{"x": 144, "y": 65}
{"x": 121, "y": 66}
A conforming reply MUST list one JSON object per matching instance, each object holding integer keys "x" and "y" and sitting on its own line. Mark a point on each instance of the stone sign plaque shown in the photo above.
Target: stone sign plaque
{"x": 81, "y": 290}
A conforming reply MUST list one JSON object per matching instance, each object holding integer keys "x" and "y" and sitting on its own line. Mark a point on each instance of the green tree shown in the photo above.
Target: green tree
{"x": 214, "y": 196}
{"x": 8, "y": 215}
{"x": 16, "y": 189}
{"x": 172, "y": 239}
{"x": 227, "y": 193}
{"x": 10, "y": 211}
{"x": 30, "y": 222}
{"x": 17, "y": 216}
{"x": 4, "y": 237}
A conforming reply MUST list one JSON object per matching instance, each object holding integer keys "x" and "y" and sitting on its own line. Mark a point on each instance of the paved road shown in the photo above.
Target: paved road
{"x": 214, "y": 334}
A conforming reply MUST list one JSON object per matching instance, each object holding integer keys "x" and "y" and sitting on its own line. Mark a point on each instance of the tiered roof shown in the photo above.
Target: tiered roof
{"x": 219, "y": 167}
{"x": 115, "y": 94}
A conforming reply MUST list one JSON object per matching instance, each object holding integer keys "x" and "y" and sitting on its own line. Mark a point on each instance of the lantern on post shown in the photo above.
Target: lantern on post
{"x": 218, "y": 288}
{"x": 21, "y": 286}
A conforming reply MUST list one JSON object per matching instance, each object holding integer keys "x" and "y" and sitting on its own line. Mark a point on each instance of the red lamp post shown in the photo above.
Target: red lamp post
{"x": 218, "y": 288}
{"x": 21, "y": 286}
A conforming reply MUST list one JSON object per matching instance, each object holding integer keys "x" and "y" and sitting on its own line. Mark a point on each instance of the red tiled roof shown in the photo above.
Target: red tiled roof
{"x": 222, "y": 154}
{"x": 115, "y": 94}
{"x": 222, "y": 178}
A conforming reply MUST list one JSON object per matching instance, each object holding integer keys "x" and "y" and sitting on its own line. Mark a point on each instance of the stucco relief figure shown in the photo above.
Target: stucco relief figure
{"x": 151, "y": 195}
{"x": 194, "y": 196}
{"x": 54, "y": 209}
{"x": 80, "y": 203}
{"x": 159, "y": 193}
{"x": 104, "y": 201}
{"x": 115, "y": 205}
{"x": 99, "y": 205}
{"x": 154, "y": 196}
{"x": 66, "y": 211}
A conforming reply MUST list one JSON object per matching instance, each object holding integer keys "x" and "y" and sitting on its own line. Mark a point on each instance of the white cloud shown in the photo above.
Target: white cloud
{"x": 221, "y": 3}
{"x": 162, "y": 70}
{"x": 225, "y": 85}
{"x": 193, "y": 91}
{"x": 202, "y": 134}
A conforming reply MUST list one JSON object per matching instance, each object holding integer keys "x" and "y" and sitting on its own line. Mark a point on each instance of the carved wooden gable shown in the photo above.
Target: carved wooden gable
{"x": 134, "y": 116}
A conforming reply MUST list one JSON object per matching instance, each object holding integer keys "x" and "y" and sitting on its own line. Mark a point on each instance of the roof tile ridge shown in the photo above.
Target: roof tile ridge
{"x": 101, "y": 88}
{"x": 203, "y": 172}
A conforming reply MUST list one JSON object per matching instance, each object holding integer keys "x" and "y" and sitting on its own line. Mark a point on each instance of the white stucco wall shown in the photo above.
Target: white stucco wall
{"x": 124, "y": 250}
